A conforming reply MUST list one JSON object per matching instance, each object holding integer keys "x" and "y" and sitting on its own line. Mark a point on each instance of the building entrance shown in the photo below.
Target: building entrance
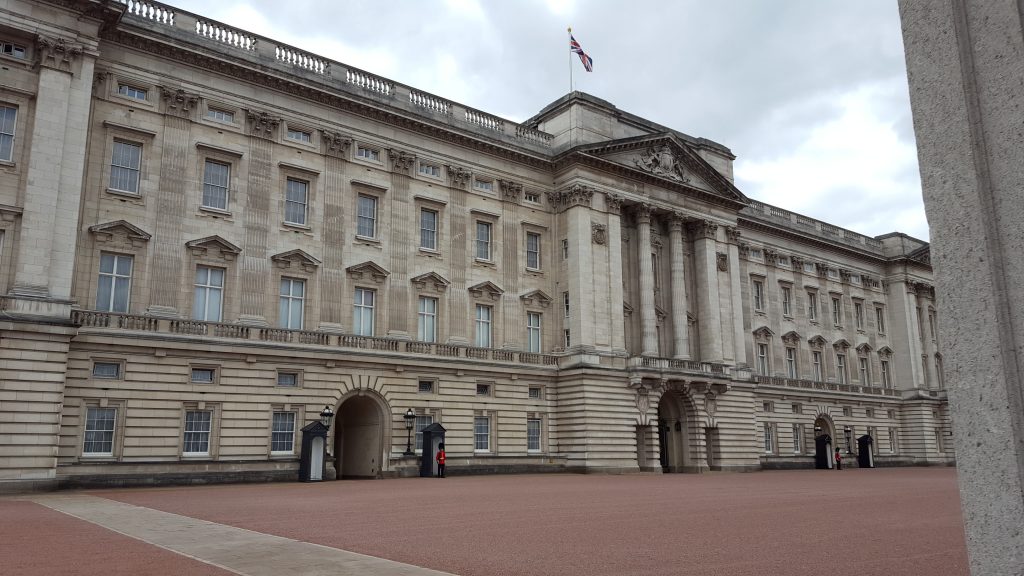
{"x": 359, "y": 438}
{"x": 672, "y": 433}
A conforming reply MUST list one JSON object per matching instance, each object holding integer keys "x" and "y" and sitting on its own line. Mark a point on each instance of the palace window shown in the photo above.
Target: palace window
{"x": 425, "y": 387}
{"x": 758, "y": 289}
{"x": 296, "y": 201}
{"x": 300, "y": 136}
{"x": 837, "y": 312}
{"x": 855, "y": 279}
{"x": 426, "y": 328}
{"x": 111, "y": 370}
{"x": 292, "y": 303}
{"x": 99, "y": 431}
{"x": 432, "y": 170}
{"x": 534, "y": 393}
{"x": 798, "y": 438}
{"x": 791, "y": 362}
{"x": 768, "y": 406}
{"x": 812, "y": 306}
{"x": 531, "y": 197}
{"x": 125, "y": 164}
{"x": 865, "y": 372}
{"x": 483, "y": 240}
{"x": 858, "y": 315}
{"x": 198, "y": 425}
{"x": 483, "y": 389}
{"x": 841, "y": 368}
{"x": 481, "y": 434}
{"x": 485, "y": 185}
{"x": 115, "y": 282}
{"x": 880, "y": 319}
{"x": 422, "y": 421}
{"x": 533, "y": 332}
{"x": 216, "y": 176}
{"x": 565, "y": 303}
{"x": 8, "y": 120}
{"x": 886, "y": 377}
{"x": 769, "y": 438}
{"x": 366, "y": 221}
{"x": 762, "y": 359}
{"x": 368, "y": 153}
{"x": 532, "y": 251}
{"x": 209, "y": 294}
{"x": 13, "y": 50}
{"x": 893, "y": 442}
{"x": 282, "y": 434}
{"x": 533, "y": 426}
{"x": 787, "y": 301}
{"x": 809, "y": 268}
{"x": 288, "y": 379}
{"x": 566, "y": 338}
{"x": 483, "y": 325}
{"x": 203, "y": 376}
{"x": 565, "y": 249}
{"x": 220, "y": 115}
{"x": 362, "y": 315}
{"x": 428, "y": 229}
{"x": 131, "y": 92}
{"x": 816, "y": 366}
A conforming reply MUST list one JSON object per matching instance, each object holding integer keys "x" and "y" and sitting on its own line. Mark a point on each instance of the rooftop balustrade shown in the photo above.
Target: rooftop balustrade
{"x": 827, "y": 386}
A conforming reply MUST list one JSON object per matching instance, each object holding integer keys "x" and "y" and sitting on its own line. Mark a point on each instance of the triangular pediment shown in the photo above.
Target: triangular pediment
{"x": 486, "y": 288}
{"x": 841, "y": 344}
{"x": 817, "y": 342}
{"x": 295, "y": 257}
{"x": 537, "y": 297}
{"x": 431, "y": 281}
{"x": 122, "y": 227}
{"x": 763, "y": 333}
{"x": 368, "y": 270}
{"x": 885, "y": 352}
{"x": 792, "y": 337}
{"x": 213, "y": 247}
{"x": 665, "y": 158}
{"x": 864, "y": 348}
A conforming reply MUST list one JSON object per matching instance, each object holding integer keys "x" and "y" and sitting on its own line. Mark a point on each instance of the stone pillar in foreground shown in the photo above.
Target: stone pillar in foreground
{"x": 965, "y": 63}
{"x": 680, "y": 328}
{"x": 648, "y": 320}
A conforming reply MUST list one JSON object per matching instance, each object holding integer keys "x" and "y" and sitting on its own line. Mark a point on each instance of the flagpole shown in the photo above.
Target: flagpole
{"x": 570, "y": 61}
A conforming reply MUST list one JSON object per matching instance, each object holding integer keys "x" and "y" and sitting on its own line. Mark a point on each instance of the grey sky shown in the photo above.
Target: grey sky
{"x": 810, "y": 95}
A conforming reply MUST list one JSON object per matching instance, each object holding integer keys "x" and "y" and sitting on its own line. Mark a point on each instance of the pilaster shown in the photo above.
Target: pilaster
{"x": 255, "y": 264}
{"x": 709, "y": 319}
{"x": 680, "y": 329}
{"x": 648, "y": 318}
{"x": 399, "y": 242}
{"x": 615, "y": 274}
{"x": 739, "y": 336}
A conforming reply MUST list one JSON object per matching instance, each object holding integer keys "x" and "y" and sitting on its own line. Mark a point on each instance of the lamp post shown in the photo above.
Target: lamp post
{"x": 410, "y": 421}
{"x": 325, "y": 417}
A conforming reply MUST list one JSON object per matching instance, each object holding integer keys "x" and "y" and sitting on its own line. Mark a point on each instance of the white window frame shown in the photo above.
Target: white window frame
{"x": 798, "y": 438}
{"x": 534, "y": 439}
{"x": 841, "y": 376}
{"x": 769, "y": 438}
{"x": 812, "y": 306}
{"x": 211, "y": 189}
{"x": 484, "y": 326}
{"x": 13, "y": 50}
{"x": 565, "y": 304}
{"x": 483, "y": 240}
{"x": 99, "y": 375}
{"x": 565, "y": 248}
{"x": 482, "y": 434}
{"x": 89, "y": 434}
{"x": 293, "y": 373}
{"x": 364, "y": 303}
{"x": 429, "y": 170}
{"x": 533, "y": 332}
{"x": 428, "y": 230}
{"x": 534, "y": 252}
{"x": 787, "y": 300}
{"x": 431, "y": 386}
{"x": 791, "y": 367}
{"x": 886, "y": 374}
{"x": 196, "y": 428}
{"x": 299, "y": 135}
{"x": 816, "y": 368}
{"x": 858, "y": 314}
{"x": 366, "y": 216}
{"x": 864, "y": 368}
{"x": 279, "y": 434}
{"x": 423, "y": 419}
{"x": 296, "y": 211}
{"x": 130, "y": 168}
{"x": 112, "y": 278}
{"x": 762, "y": 359}
{"x": 837, "y": 311}
{"x": 483, "y": 184}
{"x": 287, "y": 298}
{"x": 757, "y": 287}
{"x": 880, "y": 319}
{"x": 8, "y": 131}
{"x": 204, "y": 291}
{"x": 220, "y": 115}
{"x": 199, "y": 370}
{"x": 133, "y": 92}
{"x": 368, "y": 153}
{"x": 426, "y": 319}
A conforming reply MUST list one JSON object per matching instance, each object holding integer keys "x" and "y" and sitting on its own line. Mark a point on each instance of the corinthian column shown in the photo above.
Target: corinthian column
{"x": 709, "y": 313}
{"x": 681, "y": 336}
{"x": 648, "y": 320}
{"x": 616, "y": 319}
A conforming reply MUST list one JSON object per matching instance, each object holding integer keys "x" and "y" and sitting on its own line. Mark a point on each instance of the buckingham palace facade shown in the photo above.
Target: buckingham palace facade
{"x": 207, "y": 236}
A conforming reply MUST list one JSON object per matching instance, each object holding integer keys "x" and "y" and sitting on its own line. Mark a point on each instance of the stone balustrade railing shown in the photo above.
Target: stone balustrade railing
{"x": 811, "y": 225}
{"x": 673, "y": 365}
{"x": 272, "y": 55}
{"x": 829, "y": 386}
{"x": 139, "y": 323}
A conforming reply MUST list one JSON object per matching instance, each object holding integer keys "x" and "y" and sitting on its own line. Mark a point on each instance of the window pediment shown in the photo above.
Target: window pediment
{"x": 367, "y": 271}
{"x": 486, "y": 289}
{"x": 817, "y": 342}
{"x": 763, "y": 334}
{"x": 885, "y": 352}
{"x": 431, "y": 281}
{"x": 537, "y": 297}
{"x": 792, "y": 338}
{"x": 864, "y": 349}
{"x": 298, "y": 257}
{"x": 841, "y": 345}
{"x": 122, "y": 229}
{"x": 213, "y": 246}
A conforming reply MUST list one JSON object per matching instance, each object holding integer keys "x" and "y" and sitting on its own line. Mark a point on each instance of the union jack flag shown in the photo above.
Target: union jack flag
{"x": 574, "y": 46}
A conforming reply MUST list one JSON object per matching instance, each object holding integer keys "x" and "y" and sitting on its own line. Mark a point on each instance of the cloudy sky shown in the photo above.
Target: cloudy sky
{"x": 810, "y": 95}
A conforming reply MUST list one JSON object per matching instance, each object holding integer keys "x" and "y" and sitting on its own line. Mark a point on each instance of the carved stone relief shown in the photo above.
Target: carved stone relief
{"x": 58, "y": 53}
{"x": 723, "y": 261}
{"x": 178, "y": 101}
{"x": 401, "y": 161}
{"x": 335, "y": 143}
{"x": 576, "y": 195}
{"x": 510, "y": 190}
{"x": 614, "y": 203}
{"x": 661, "y": 162}
{"x": 599, "y": 233}
{"x": 458, "y": 175}
{"x": 262, "y": 124}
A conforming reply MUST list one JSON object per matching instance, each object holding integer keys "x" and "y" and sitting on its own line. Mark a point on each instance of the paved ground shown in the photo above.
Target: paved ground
{"x": 863, "y": 522}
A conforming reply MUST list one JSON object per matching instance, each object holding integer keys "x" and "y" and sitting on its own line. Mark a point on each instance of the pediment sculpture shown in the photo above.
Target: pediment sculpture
{"x": 661, "y": 162}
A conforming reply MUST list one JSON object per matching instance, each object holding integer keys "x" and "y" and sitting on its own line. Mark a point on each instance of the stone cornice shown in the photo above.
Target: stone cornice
{"x": 864, "y": 255}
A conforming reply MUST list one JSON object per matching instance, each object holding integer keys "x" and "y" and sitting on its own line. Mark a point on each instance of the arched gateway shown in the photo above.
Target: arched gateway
{"x": 678, "y": 434}
{"x": 361, "y": 435}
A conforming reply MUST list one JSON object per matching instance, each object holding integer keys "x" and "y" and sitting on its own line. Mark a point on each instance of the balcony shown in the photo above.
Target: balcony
{"x": 828, "y": 386}
{"x": 671, "y": 365}
{"x": 89, "y": 320}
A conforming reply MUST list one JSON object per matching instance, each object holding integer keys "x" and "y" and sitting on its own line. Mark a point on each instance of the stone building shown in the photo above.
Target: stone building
{"x": 207, "y": 236}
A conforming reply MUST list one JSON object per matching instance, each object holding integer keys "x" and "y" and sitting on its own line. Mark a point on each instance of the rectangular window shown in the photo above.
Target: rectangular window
{"x": 892, "y": 440}
{"x": 837, "y": 312}
{"x": 131, "y": 92}
{"x": 422, "y": 421}
{"x": 855, "y": 279}
{"x": 809, "y": 268}
{"x": 812, "y": 306}
{"x": 125, "y": 163}
{"x": 847, "y": 411}
{"x": 833, "y": 273}
{"x": 858, "y": 315}
{"x": 366, "y": 222}
{"x": 115, "y": 283}
{"x": 565, "y": 249}
{"x": 483, "y": 240}
{"x": 428, "y": 229}
{"x": 533, "y": 332}
{"x": 767, "y": 406}
{"x": 791, "y": 362}
{"x": 430, "y": 170}
{"x": 209, "y": 294}
{"x": 931, "y": 324}
{"x": 13, "y": 50}
{"x": 816, "y": 366}
{"x": 198, "y": 424}
{"x": 296, "y": 201}
{"x": 784, "y": 262}
{"x": 798, "y": 408}
{"x": 886, "y": 377}
{"x": 567, "y": 338}
{"x": 483, "y": 389}
{"x": 300, "y": 136}
{"x": 362, "y": 322}
{"x": 865, "y": 372}
{"x": 106, "y": 370}
{"x": 762, "y": 359}
{"x": 565, "y": 303}
{"x": 756, "y": 254}
{"x": 841, "y": 368}
{"x": 216, "y": 176}
{"x": 220, "y": 115}
{"x": 203, "y": 375}
{"x": 288, "y": 379}
{"x": 787, "y": 301}
{"x": 798, "y": 438}
{"x": 533, "y": 435}
{"x": 481, "y": 434}
{"x": 368, "y": 153}
{"x": 769, "y": 438}
{"x": 8, "y": 120}
{"x": 534, "y": 393}
{"x": 99, "y": 431}
{"x": 870, "y": 413}
{"x": 293, "y": 303}
{"x": 880, "y": 319}
{"x": 282, "y": 434}
{"x": 533, "y": 251}
{"x": 425, "y": 387}
{"x": 531, "y": 197}
{"x": 483, "y": 326}
{"x": 426, "y": 328}
{"x": 758, "y": 289}
{"x": 485, "y": 185}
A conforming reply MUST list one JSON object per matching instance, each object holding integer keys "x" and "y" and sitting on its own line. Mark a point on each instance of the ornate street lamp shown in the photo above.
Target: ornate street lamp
{"x": 410, "y": 421}
{"x": 325, "y": 417}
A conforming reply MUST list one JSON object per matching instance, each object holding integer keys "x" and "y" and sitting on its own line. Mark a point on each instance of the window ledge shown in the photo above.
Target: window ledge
{"x": 8, "y": 163}
{"x": 98, "y": 458}
{"x": 535, "y": 271}
{"x": 214, "y": 212}
{"x": 296, "y": 227}
{"x": 197, "y": 457}
{"x": 430, "y": 251}
{"x": 368, "y": 240}
{"x": 278, "y": 456}
{"x": 124, "y": 193}
{"x": 484, "y": 263}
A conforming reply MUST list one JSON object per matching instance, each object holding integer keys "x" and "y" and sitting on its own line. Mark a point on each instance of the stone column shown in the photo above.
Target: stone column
{"x": 400, "y": 245}
{"x": 255, "y": 260}
{"x": 924, "y": 296}
{"x": 648, "y": 320}
{"x": 615, "y": 275}
{"x": 577, "y": 202}
{"x": 512, "y": 319}
{"x": 709, "y": 319}
{"x": 964, "y": 62}
{"x": 739, "y": 336}
{"x": 680, "y": 329}
{"x": 458, "y": 307}
{"x": 916, "y": 333}
{"x": 333, "y": 313}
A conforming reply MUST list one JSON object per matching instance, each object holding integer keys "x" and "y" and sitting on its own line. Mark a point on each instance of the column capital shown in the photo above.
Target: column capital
{"x": 58, "y": 53}
{"x": 642, "y": 213}
{"x": 334, "y": 143}
{"x": 401, "y": 161}
{"x": 458, "y": 175}
{"x": 614, "y": 203}
{"x": 262, "y": 124}
{"x": 704, "y": 229}
{"x": 511, "y": 191}
{"x": 575, "y": 195}
{"x": 733, "y": 234}
{"x": 178, "y": 101}
{"x": 676, "y": 221}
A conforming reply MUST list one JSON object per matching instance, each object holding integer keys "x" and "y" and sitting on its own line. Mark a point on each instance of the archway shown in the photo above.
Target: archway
{"x": 673, "y": 433}
{"x": 824, "y": 434}
{"x": 359, "y": 437}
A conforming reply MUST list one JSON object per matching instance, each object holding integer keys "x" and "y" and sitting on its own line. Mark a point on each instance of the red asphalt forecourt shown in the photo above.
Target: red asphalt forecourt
{"x": 885, "y": 522}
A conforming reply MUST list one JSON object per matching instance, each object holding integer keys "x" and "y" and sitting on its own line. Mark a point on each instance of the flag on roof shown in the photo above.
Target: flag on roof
{"x": 574, "y": 46}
